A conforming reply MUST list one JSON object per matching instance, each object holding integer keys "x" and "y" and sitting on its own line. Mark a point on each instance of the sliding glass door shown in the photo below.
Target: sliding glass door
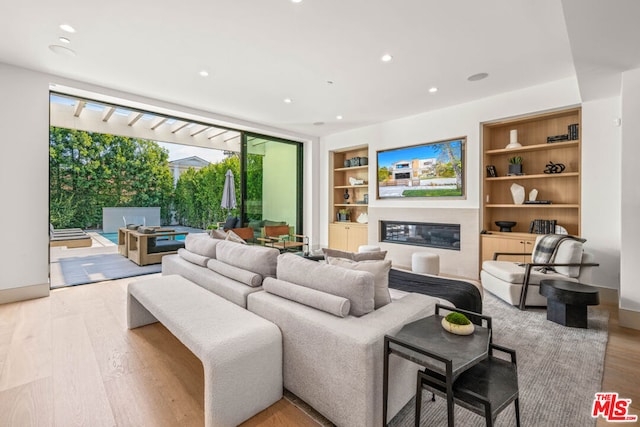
{"x": 272, "y": 182}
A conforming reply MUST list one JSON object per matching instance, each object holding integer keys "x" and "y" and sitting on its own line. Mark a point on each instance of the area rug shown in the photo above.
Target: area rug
{"x": 559, "y": 370}
{"x": 96, "y": 268}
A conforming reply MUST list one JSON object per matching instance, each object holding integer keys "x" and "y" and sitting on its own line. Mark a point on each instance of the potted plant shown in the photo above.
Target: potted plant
{"x": 457, "y": 323}
{"x": 515, "y": 165}
{"x": 344, "y": 215}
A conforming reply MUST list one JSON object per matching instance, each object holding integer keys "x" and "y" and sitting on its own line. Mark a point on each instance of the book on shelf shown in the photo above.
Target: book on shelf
{"x": 543, "y": 226}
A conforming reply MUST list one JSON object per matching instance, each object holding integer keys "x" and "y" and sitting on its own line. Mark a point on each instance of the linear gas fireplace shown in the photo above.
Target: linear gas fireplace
{"x": 433, "y": 235}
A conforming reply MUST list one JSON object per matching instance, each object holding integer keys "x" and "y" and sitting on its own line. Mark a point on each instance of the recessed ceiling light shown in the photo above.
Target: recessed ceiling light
{"x": 296, "y": 1}
{"x": 318, "y": 123}
{"x": 476, "y": 77}
{"x": 386, "y": 57}
{"x": 433, "y": 89}
{"x": 68, "y": 28}
{"x": 288, "y": 100}
{"x": 330, "y": 82}
{"x": 339, "y": 117}
{"x": 64, "y": 40}
{"x": 204, "y": 73}
{"x": 61, "y": 50}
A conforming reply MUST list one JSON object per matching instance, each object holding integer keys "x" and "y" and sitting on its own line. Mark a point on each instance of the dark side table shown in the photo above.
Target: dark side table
{"x": 567, "y": 301}
{"x": 444, "y": 354}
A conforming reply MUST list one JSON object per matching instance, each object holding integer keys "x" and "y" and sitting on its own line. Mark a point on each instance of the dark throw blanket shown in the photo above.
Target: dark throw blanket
{"x": 461, "y": 294}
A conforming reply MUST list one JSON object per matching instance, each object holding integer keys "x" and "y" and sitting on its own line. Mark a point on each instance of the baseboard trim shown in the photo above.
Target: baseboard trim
{"x": 24, "y": 293}
{"x": 629, "y": 318}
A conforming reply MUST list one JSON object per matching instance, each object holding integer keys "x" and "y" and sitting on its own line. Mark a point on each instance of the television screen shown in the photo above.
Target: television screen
{"x": 434, "y": 169}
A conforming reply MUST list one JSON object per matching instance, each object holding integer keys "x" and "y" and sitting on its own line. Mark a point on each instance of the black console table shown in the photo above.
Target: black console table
{"x": 567, "y": 301}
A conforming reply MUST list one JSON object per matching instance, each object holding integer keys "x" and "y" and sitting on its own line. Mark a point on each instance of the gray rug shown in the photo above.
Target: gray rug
{"x": 96, "y": 268}
{"x": 559, "y": 370}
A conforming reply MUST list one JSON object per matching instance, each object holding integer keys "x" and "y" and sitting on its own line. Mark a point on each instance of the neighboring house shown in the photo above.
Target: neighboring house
{"x": 178, "y": 167}
{"x": 413, "y": 169}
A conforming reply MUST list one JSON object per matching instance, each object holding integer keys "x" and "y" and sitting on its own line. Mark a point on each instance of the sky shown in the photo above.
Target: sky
{"x": 178, "y": 151}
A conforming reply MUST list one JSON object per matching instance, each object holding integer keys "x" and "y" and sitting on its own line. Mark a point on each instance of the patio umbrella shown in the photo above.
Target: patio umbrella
{"x": 228, "y": 192}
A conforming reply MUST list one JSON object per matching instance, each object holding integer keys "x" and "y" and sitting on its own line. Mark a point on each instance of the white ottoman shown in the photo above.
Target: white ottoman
{"x": 425, "y": 262}
{"x": 368, "y": 248}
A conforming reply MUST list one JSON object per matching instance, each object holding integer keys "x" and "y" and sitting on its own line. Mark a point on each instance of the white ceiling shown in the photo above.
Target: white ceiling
{"x": 259, "y": 52}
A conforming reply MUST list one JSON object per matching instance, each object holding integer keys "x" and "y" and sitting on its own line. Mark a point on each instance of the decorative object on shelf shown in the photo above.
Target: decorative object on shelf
{"x": 533, "y": 195}
{"x": 347, "y": 163}
{"x": 515, "y": 165}
{"x": 517, "y": 192}
{"x": 537, "y": 202}
{"x": 542, "y": 226}
{"x": 364, "y": 161}
{"x": 343, "y": 215}
{"x": 491, "y": 171}
{"x": 505, "y": 226}
{"x": 561, "y": 230}
{"x": 558, "y": 138}
{"x": 363, "y": 218}
{"x": 573, "y": 131}
{"x": 354, "y": 181}
{"x": 513, "y": 139}
{"x": 355, "y": 161}
{"x": 366, "y": 199}
{"x": 346, "y": 195}
{"x": 554, "y": 167}
{"x": 457, "y": 323}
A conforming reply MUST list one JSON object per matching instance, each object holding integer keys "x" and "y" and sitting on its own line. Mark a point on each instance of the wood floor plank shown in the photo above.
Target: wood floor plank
{"x": 281, "y": 414}
{"x": 28, "y": 357}
{"x": 80, "y": 395}
{"x": 28, "y": 405}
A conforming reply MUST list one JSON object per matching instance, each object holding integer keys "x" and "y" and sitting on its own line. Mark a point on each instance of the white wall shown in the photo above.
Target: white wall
{"x": 24, "y": 184}
{"x": 601, "y": 156}
{"x": 629, "y": 284}
{"x": 465, "y": 120}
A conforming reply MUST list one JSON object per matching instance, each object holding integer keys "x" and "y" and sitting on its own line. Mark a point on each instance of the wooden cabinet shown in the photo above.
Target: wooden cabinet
{"x": 507, "y": 242}
{"x": 561, "y": 189}
{"x": 349, "y": 190}
{"x": 347, "y": 236}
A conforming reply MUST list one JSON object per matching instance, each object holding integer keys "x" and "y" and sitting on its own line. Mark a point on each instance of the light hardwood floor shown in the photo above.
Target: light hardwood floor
{"x": 69, "y": 360}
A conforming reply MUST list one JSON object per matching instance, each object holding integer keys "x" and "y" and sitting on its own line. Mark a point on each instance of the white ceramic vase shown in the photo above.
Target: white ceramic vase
{"x": 517, "y": 192}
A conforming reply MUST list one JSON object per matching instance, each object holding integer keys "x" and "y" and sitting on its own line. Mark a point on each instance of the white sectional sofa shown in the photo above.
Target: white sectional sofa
{"x": 332, "y": 336}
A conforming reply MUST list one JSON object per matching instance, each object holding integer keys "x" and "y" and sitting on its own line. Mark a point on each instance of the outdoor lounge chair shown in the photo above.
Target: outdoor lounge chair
{"x": 281, "y": 238}
{"x": 149, "y": 246}
{"x": 69, "y": 237}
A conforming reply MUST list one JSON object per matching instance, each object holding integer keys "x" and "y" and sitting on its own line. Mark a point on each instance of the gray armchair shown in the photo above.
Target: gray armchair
{"x": 518, "y": 283}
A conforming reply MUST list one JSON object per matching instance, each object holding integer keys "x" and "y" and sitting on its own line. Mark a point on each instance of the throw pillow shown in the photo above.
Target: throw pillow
{"x": 355, "y": 256}
{"x": 333, "y": 304}
{"x": 230, "y": 223}
{"x": 193, "y": 258}
{"x": 233, "y": 237}
{"x": 217, "y": 234}
{"x": 201, "y": 244}
{"x": 380, "y": 271}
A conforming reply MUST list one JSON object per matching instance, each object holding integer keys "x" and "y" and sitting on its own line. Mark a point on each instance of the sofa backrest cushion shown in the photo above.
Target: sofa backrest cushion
{"x": 193, "y": 258}
{"x": 217, "y": 234}
{"x": 233, "y": 237}
{"x": 332, "y": 304}
{"x": 201, "y": 244}
{"x": 380, "y": 271}
{"x": 355, "y": 256}
{"x": 356, "y": 286}
{"x": 257, "y": 259}
{"x": 243, "y": 276}
{"x": 568, "y": 252}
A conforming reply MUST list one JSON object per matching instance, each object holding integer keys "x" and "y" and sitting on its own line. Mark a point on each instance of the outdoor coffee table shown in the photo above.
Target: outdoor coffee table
{"x": 567, "y": 301}
{"x": 442, "y": 353}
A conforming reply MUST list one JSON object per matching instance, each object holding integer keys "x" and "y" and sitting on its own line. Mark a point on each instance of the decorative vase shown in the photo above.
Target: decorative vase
{"x": 457, "y": 329}
{"x": 515, "y": 169}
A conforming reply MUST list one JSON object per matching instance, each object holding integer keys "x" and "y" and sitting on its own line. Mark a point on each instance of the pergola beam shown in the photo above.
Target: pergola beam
{"x": 236, "y": 135}
{"x": 133, "y": 118}
{"x": 196, "y": 131}
{"x": 178, "y": 126}
{"x": 78, "y": 108}
{"x": 107, "y": 113}
{"x": 157, "y": 122}
{"x": 216, "y": 132}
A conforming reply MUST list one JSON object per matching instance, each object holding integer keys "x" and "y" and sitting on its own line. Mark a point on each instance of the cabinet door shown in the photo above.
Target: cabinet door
{"x": 492, "y": 244}
{"x": 357, "y": 235}
{"x": 338, "y": 237}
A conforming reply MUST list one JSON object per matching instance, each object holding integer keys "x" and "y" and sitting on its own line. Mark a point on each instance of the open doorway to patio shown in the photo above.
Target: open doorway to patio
{"x": 146, "y": 169}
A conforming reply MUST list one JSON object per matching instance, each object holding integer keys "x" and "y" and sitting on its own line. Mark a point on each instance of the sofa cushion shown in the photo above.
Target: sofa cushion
{"x": 193, "y": 258}
{"x": 357, "y": 286}
{"x": 243, "y": 276}
{"x": 233, "y": 237}
{"x": 217, "y": 234}
{"x": 164, "y": 246}
{"x": 332, "y": 304}
{"x": 355, "y": 256}
{"x": 201, "y": 244}
{"x": 257, "y": 259}
{"x": 568, "y": 252}
{"x": 511, "y": 272}
{"x": 380, "y": 271}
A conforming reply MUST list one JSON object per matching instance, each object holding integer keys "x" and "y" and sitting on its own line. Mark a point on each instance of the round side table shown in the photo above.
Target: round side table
{"x": 567, "y": 301}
